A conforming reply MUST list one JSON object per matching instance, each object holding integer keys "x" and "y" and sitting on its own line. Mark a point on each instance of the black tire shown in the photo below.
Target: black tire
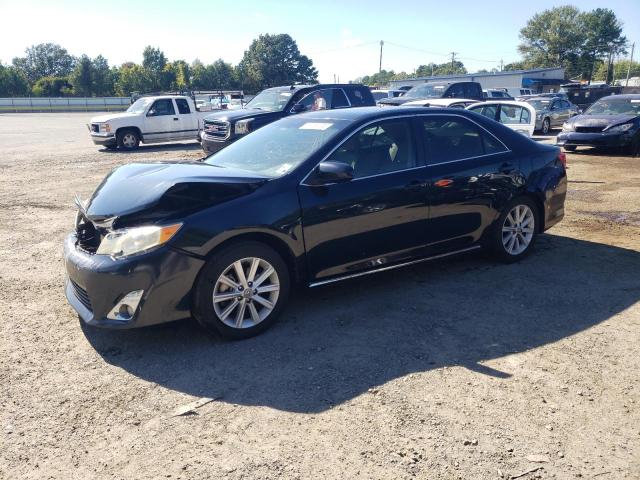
{"x": 496, "y": 242}
{"x": 208, "y": 284}
{"x": 128, "y": 139}
{"x": 570, "y": 148}
{"x": 546, "y": 126}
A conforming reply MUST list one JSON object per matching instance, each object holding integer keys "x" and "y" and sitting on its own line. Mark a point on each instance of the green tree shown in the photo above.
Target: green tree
{"x": 446, "y": 68}
{"x": 52, "y": 87}
{"x": 132, "y": 78}
{"x": 45, "y": 60}
{"x": 13, "y": 83}
{"x": 103, "y": 77}
{"x": 273, "y": 60}
{"x": 604, "y": 38}
{"x": 618, "y": 72}
{"x": 154, "y": 62}
{"x": 82, "y": 77}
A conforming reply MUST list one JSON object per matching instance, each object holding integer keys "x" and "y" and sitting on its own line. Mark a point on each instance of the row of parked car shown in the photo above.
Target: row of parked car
{"x": 176, "y": 117}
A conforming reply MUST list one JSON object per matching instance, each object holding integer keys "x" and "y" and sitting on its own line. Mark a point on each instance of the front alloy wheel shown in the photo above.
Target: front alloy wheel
{"x": 518, "y": 229}
{"x": 546, "y": 126}
{"x": 246, "y": 292}
{"x": 241, "y": 290}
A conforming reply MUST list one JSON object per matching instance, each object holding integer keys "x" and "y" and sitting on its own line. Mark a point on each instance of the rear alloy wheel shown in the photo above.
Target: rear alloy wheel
{"x": 128, "y": 139}
{"x": 546, "y": 126}
{"x": 515, "y": 230}
{"x": 242, "y": 290}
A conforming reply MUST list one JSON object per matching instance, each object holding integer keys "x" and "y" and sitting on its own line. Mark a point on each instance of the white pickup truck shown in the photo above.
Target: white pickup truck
{"x": 165, "y": 118}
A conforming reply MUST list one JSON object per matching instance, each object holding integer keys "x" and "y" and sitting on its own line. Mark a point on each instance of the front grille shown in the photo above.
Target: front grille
{"x": 216, "y": 128}
{"x": 81, "y": 295}
{"x": 589, "y": 129}
{"x": 87, "y": 234}
{"x": 95, "y": 127}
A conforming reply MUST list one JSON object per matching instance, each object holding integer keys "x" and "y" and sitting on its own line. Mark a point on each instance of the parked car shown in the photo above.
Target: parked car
{"x": 424, "y": 91}
{"x": 518, "y": 116}
{"x": 311, "y": 199}
{"x": 612, "y": 121}
{"x": 155, "y": 119}
{"x": 223, "y": 128}
{"x": 441, "y": 103}
{"x": 516, "y": 92}
{"x": 551, "y": 112}
{"x": 492, "y": 93}
{"x": 380, "y": 94}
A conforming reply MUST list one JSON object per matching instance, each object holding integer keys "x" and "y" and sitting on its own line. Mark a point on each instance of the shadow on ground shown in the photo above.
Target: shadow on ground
{"x": 334, "y": 343}
{"x": 162, "y": 147}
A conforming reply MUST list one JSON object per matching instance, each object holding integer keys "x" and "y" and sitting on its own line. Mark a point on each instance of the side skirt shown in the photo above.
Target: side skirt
{"x": 391, "y": 267}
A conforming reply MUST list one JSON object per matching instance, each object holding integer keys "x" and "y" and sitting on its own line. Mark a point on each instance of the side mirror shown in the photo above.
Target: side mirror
{"x": 151, "y": 113}
{"x": 298, "y": 108}
{"x": 332, "y": 172}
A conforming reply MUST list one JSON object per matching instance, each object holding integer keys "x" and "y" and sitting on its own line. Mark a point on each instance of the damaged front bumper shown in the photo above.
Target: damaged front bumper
{"x": 159, "y": 282}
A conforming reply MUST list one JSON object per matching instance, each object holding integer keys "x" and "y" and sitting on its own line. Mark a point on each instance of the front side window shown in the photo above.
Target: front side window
{"x": 316, "y": 101}
{"x": 451, "y": 138}
{"x": 183, "y": 106}
{"x": 163, "y": 107}
{"x": 455, "y": 91}
{"x": 383, "y": 147}
{"x": 356, "y": 97}
{"x": 140, "y": 105}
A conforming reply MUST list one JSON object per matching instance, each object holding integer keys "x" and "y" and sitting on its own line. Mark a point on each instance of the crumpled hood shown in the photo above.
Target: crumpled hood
{"x": 599, "y": 120}
{"x": 156, "y": 190}
{"x": 111, "y": 116}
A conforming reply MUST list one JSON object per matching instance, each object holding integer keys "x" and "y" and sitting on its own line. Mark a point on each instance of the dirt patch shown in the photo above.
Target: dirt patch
{"x": 454, "y": 370}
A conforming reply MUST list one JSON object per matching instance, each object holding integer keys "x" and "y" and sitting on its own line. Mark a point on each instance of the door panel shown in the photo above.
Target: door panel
{"x": 186, "y": 127}
{"x": 377, "y": 218}
{"x": 160, "y": 126}
{"x": 470, "y": 173}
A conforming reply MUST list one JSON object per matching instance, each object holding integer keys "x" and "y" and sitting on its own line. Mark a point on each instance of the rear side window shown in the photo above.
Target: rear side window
{"x": 455, "y": 91}
{"x": 510, "y": 115}
{"x": 471, "y": 90}
{"x": 339, "y": 99}
{"x": 448, "y": 139}
{"x": 488, "y": 111}
{"x": 357, "y": 97}
{"x": 183, "y": 106}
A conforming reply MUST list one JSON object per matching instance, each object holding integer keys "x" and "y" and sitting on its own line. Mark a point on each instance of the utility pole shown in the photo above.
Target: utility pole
{"x": 380, "y": 68}
{"x": 633, "y": 46}
{"x": 501, "y": 64}
{"x": 453, "y": 59}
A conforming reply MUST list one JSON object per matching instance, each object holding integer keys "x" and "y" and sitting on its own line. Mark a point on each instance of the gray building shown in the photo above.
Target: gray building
{"x": 539, "y": 80}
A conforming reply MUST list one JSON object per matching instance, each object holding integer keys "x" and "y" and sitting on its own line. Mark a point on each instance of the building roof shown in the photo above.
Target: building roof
{"x": 483, "y": 74}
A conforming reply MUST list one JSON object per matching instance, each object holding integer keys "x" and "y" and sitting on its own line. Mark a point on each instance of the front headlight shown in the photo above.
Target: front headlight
{"x": 243, "y": 126}
{"x": 568, "y": 127}
{"x": 105, "y": 127}
{"x": 625, "y": 127}
{"x": 128, "y": 241}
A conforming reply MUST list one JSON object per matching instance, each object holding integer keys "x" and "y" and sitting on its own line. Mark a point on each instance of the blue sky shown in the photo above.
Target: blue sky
{"x": 342, "y": 38}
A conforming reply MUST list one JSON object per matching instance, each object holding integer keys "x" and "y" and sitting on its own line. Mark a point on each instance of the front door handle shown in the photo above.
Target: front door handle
{"x": 175, "y": 119}
{"x": 415, "y": 185}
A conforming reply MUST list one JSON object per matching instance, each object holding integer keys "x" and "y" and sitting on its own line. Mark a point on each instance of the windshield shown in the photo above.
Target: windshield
{"x": 540, "y": 104}
{"x": 427, "y": 90}
{"x": 278, "y": 148}
{"x": 272, "y": 100}
{"x": 615, "y": 106}
{"x": 139, "y": 105}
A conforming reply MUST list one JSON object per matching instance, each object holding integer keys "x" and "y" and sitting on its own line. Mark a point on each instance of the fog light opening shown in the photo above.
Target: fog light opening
{"x": 126, "y": 308}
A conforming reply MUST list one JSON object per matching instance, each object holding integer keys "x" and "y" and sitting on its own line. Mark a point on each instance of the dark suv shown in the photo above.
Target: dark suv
{"x": 470, "y": 90}
{"x": 222, "y": 128}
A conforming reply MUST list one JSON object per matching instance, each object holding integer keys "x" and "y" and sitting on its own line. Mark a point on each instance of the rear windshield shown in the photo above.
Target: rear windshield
{"x": 278, "y": 148}
{"x": 615, "y": 106}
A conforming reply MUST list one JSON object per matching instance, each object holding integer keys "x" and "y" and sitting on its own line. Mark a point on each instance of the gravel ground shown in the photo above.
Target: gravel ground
{"x": 458, "y": 369}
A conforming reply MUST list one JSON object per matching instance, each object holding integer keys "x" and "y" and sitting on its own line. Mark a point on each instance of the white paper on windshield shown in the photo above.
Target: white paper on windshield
{"x": 635, "y": 101}
{"x": 315, "y": 126}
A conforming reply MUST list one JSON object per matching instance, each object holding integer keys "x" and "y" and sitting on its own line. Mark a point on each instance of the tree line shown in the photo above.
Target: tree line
{"x": 49, "y": 70}
{"x": 586, "y": 44}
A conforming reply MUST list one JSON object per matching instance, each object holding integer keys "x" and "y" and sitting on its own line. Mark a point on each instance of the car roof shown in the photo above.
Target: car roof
{"x": 438, "y": 101}
{"x": 372, "y": 113}
{"x": 626, "y": 96}
{"x": 296, "y": 87}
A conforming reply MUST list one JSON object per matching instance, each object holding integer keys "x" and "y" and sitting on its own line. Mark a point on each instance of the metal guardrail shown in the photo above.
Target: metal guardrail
{"x": 64, "y": 104}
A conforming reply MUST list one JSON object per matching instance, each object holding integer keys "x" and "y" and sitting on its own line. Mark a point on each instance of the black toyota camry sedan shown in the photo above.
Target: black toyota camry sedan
{"x": 311, "y": 199}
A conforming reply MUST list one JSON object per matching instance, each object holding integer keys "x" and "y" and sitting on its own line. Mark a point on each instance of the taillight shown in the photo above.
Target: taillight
{"x": 562, "y": 157}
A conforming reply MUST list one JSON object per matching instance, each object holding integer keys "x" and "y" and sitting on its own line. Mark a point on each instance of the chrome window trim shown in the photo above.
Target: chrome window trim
{"x": 391, "y": 267}
{"x": 506, "y": 149}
